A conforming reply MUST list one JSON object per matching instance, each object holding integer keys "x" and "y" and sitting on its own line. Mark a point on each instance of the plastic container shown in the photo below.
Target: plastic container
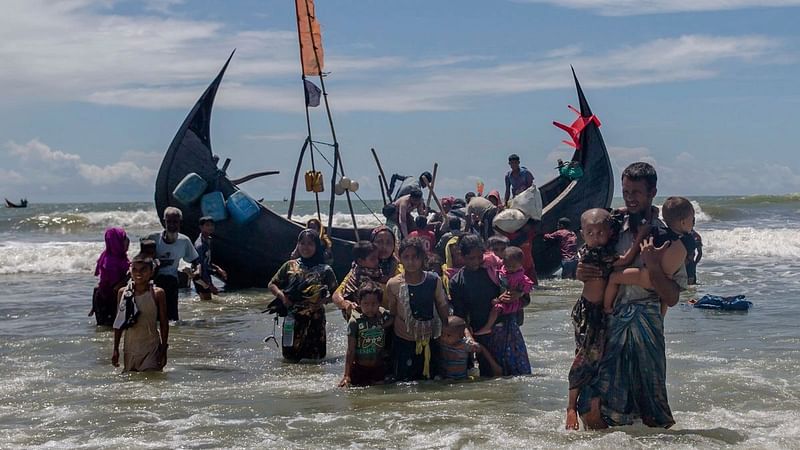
{"x": 242, "y": 207}
{"x": 213, "y": 205}
{"x": 190, "y": 189}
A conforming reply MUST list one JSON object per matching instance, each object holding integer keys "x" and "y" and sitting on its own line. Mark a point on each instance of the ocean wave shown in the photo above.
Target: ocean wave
{"x": 69, "y": 222}
{"x": 344, "y": 220}
{"x": 49, "y": 257}
{"x": 768, "y": 199}
{"x": 751, "y": 242}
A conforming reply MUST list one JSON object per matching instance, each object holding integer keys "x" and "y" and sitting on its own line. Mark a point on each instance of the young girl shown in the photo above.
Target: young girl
{"x": 303, "y": 285}
{"x": 513, "y": 279}
{"x": 316, "y": 225}
{"x": 112, "y": 268}
{"x": 418, "y": 303}
{"x": 142, "y": 315}
{"x": 365, "y": 363}
{"x": 679, "y": 217}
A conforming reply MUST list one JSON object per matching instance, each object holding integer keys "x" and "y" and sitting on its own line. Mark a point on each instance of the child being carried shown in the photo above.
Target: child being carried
{"x": 599, "y": 230}
{"x": 678, "y": 214}
{"x": 513, "y": 279}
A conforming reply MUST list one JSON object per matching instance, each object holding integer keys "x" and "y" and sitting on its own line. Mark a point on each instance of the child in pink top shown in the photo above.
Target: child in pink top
{"x": 513, "y": 279}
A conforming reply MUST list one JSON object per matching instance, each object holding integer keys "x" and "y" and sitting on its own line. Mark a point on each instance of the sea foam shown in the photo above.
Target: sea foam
{"x": 751, "y": 242}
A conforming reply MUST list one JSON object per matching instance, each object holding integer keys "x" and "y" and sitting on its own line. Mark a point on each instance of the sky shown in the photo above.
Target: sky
{"x": 93, "y": 91}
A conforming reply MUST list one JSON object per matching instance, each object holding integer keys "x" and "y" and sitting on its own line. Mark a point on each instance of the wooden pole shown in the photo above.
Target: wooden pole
{"x": 337, "y": 160}
{"x": 308, "y": 116}
{"x": 431, "y": 185}
{"x": 383, "y": 175}
{"x": 296, "y": 175}
{"x": 383, "y": 192}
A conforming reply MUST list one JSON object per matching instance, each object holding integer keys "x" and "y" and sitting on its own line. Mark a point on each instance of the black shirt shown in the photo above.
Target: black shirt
{"x": 471, "y": 293}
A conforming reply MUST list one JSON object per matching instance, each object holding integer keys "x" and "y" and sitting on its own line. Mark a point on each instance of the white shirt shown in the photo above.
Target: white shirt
{"x": 169, "y": 255}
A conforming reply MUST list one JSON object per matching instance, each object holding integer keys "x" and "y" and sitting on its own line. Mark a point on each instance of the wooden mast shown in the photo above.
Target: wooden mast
{"x": 337, "y": 159}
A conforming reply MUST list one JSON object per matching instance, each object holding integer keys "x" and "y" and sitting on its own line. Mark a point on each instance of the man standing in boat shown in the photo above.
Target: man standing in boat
{"x": 630, "y": 382}
{"x": 517, "y": 179}
{"x": 171, "y": 248}
{"x": 424, "y": 180}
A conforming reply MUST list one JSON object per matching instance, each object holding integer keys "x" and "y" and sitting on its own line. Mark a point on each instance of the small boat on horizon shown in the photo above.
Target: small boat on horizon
{"x": 23, "y": 203}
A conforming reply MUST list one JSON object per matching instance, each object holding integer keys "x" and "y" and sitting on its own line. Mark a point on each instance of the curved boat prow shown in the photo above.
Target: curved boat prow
{"x": 195, "y": 131}
{"x": 565, "y": 197}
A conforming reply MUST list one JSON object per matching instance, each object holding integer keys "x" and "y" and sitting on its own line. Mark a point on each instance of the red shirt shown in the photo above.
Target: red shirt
{"x": 567, "y": 242}
{"x": 427, "y": 237}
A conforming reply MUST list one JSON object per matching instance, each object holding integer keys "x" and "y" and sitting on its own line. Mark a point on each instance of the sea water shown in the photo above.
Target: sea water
{"x": 733, "y": 378}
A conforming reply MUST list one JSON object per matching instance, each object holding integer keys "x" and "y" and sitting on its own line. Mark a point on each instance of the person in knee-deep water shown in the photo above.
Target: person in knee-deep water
{"x": 303, "y": 285}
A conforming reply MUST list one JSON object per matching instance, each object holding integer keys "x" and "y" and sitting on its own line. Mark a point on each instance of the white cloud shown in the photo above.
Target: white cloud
{"x": 116, "y": 173}
{"x": 638, "y": 7}
{"x": 48, "y": 167}
{"x": 11, "y": 177}
{"x": 37, "y": 151}
{"x": 81, "y": 50}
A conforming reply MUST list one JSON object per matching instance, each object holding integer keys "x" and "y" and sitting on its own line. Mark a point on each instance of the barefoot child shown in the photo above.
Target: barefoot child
{"x": 417, "y": 301}
{"x": 587, "y": 314}
{"x": 455, "y": 348}
{"x": 142, "y": 316}
{"x": 679, "y": 217}
{"x": 513, "y": 279}
{"x": 365, "y": 363}
{"x": 203, "y": 283}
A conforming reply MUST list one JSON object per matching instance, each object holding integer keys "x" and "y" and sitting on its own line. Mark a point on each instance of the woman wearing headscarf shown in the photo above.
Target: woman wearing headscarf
{"x": 303, "y": 285}
{"x": 389, "y": 264}
{"x": 112, "y": 269}
{"x": 317, "y": 226}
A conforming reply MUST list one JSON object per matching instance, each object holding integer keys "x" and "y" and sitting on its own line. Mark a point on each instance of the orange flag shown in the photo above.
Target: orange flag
{"x": 310, "y": 38}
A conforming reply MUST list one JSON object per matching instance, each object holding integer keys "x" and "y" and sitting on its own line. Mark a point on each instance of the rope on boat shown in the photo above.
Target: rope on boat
{"x": 314, "y": 147}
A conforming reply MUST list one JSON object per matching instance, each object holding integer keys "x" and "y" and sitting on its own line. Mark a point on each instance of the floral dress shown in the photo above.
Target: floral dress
{"x": 306, "y": 287}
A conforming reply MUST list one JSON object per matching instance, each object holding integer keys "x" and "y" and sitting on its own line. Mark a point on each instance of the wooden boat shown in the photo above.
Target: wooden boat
{"x": 23, "y": 203}
{"x": 562, "y": 197}
{"x": 250, "y": 253}
{"x": 253, "y": 252}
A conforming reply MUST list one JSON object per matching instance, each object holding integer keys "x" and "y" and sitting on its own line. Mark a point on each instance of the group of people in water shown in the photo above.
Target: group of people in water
{"x": 444, "y": 299}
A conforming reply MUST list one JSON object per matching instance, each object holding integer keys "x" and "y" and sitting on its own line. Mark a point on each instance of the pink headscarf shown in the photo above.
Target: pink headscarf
{"x": 113, "y": 264}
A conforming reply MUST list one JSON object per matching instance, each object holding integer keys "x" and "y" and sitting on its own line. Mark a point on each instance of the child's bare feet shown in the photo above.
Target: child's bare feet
{"x": 483, "y": 331}
{"x": 572, "y": 419}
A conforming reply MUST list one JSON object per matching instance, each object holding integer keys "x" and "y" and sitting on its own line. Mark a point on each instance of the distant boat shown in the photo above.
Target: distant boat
{"x": 23, "y": 203}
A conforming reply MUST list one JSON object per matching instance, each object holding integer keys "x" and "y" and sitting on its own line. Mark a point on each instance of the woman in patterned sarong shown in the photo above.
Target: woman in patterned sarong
{"x": 303, "y": 285}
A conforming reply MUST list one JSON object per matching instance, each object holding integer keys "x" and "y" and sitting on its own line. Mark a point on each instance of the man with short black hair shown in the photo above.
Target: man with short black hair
{"x": 517, "y": 179}
{"x": 631, "y": 377}
{"x": 403, "y": 207}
